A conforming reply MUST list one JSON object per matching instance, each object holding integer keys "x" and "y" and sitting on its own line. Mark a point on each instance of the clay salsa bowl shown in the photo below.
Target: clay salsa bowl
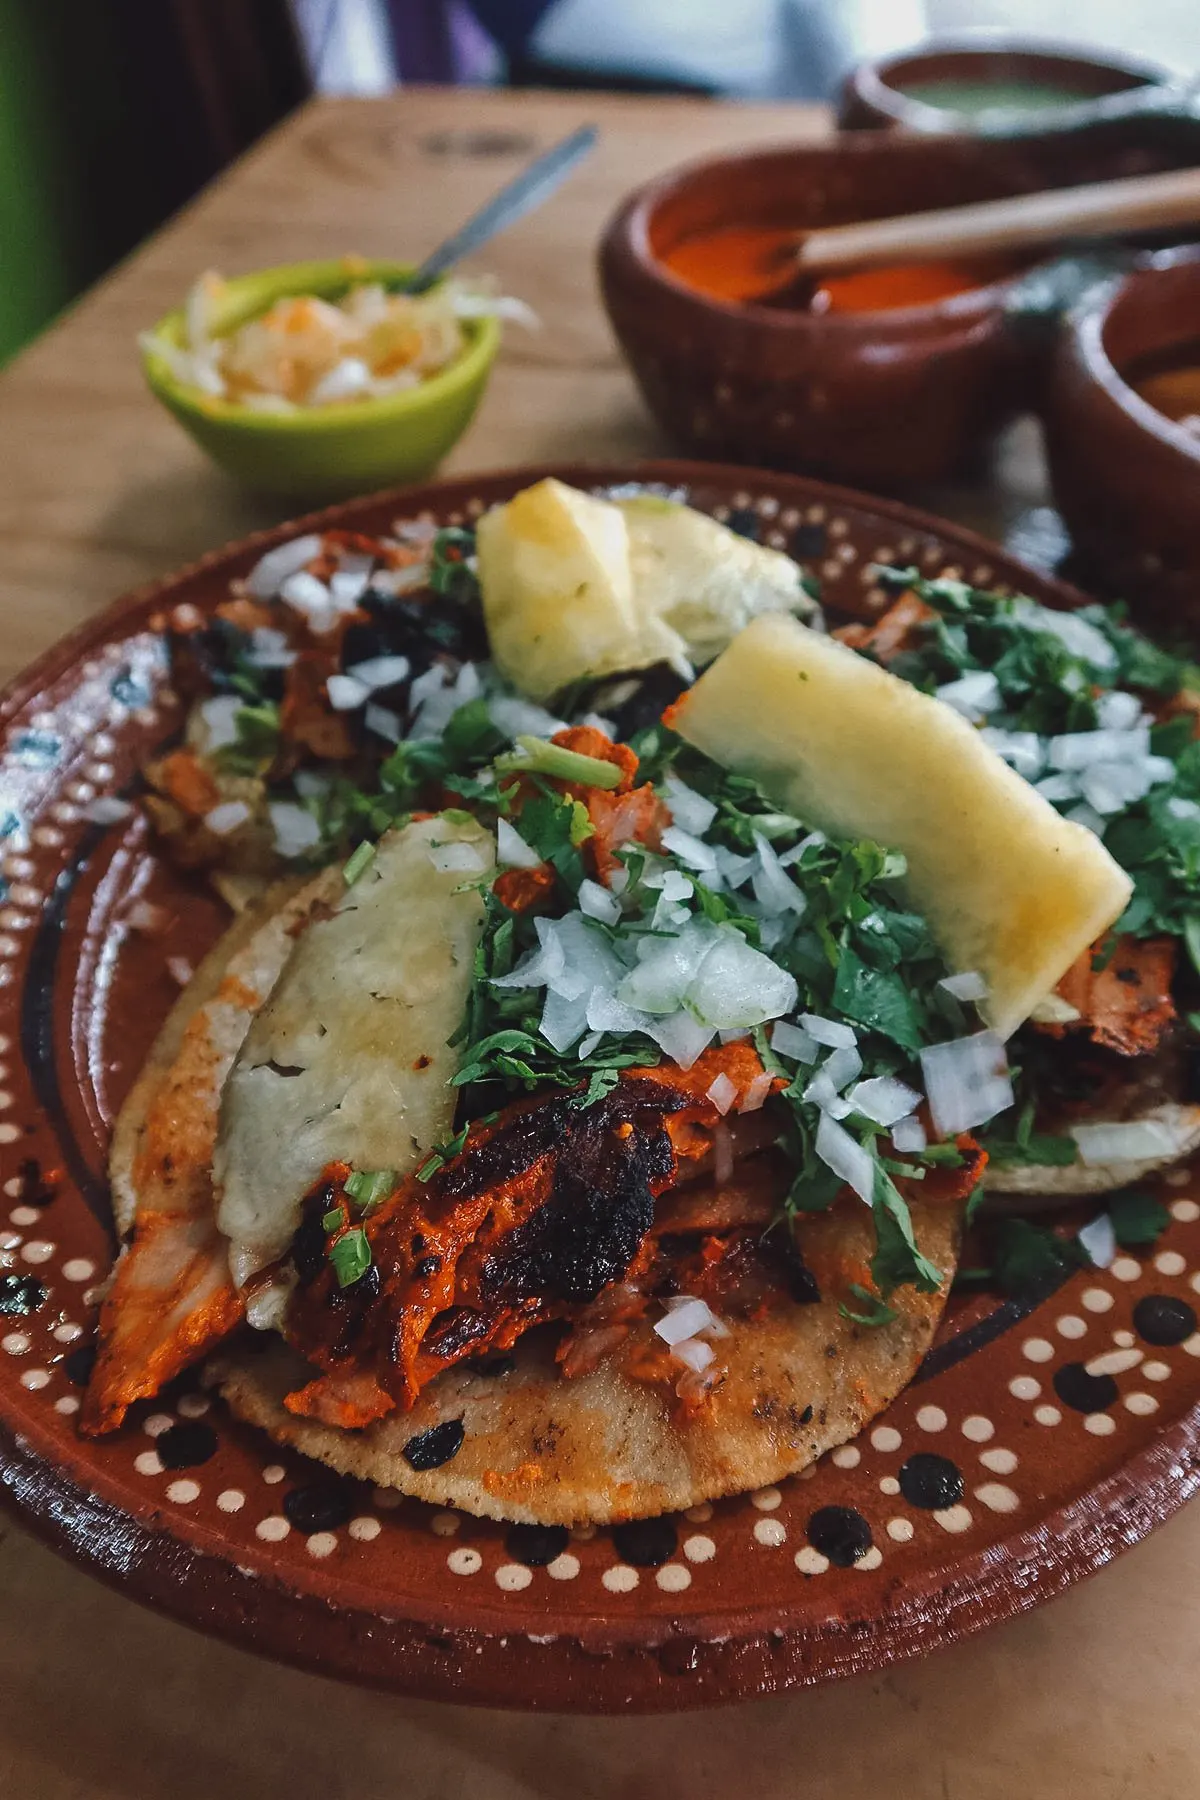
{"x": 883, "y": 398}
{"x": 1126, "y": 479}
{"x": 878, "y": 93}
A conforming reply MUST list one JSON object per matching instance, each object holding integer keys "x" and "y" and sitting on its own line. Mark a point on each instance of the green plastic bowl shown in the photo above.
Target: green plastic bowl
{"x": 327, "y": 452}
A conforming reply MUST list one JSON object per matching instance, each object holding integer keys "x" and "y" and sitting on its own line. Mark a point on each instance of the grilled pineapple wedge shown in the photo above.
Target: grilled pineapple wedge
{"x": 1010, "y": 889}
{"x": 576, "y": 588}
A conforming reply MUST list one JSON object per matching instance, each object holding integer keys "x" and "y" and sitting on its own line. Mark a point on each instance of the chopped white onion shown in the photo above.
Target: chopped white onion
{"x": 1087, "y": 815}
{"x": 219, "y": 715}
{"x": 345, "y": 693}
{"x": 883, "y": 1098}
{"x": 512, "y": 850}
{"x": 722, "y": 1093}
{"x": 1110, "y": 787}
{"x": 733, "y": 868}
{"x": 683, "y": 1321}
{"x": 1182, "y": 809}
{"x": 1134, "y": 1141}
{"x": 774, "y": 888}
{"x": 1021, "y": 750}
{"x": 521, "y": 718}
{"x": 304, "y": 592}
{"x": 347, "y": 587}
{"x": 821, "y": 1092}
{"x": 830, "y": 1032}
{"x": 1099, "y": 1239}
{"x": 681, "y": 1037}
{"x": 1081, "y": 639}
{"x": 449, "y": 859}
{"x": 666, "y": 968}
{"x": 842, "y": 1066}
{"x": 1058, "y": 788}
{"x": 383, "y": 722}
{"x": 908, "y": 1135}
{"x": 974, "y": 694}
{"x": 690, "y": 810}
{"x": 796, "y": 1045}
{"x": 295, "y": 828}
{"x": 968, "y": 986}
{"x": 737, "y": 985}
{"x": 588, "y": 1044}
{"x": 595, "y": 902}
{"x": 846, "y": 1157}
{"x": 380, "y": 671}
{"x": 967, "y": 1082}
{"x": 695, "y": 1353}
{"x": 756, "y": 1093}
{"x": 690, "y": 850}
{"x": 227, "y": 817}
{"x": 736, "y": 1034}
{"x": 1079, "y": 749}
{"x": 606, "y": 1013}
{"x": 269, "y": 649}
{"x": 1118, "y": 711}
{"x": 272, "y": 570}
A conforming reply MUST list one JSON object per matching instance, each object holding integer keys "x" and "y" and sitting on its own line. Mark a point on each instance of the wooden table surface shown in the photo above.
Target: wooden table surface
{"x": 1088, "y": 1699}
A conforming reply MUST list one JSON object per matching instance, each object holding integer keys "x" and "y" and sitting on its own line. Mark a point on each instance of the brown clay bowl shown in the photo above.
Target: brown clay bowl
{"x": 1126, "y": 479}
{"x": 884, "y": 399}
{"x": 875, "y": 93}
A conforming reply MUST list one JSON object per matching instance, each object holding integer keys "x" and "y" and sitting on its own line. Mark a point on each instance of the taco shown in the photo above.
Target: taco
{"x": 1103, "y": 724}
{"x": 603, "y": 1144}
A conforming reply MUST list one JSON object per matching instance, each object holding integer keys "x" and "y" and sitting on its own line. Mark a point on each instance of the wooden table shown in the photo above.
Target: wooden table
{"x": 1089, "y": 1699}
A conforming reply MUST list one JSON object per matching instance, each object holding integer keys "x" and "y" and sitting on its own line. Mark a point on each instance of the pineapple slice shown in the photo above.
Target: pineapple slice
{"x": 575, "y": 587}
{"x": 701, "y": 579}
{"x": 557, "y": 585}
{"x": 1009, "y": 888}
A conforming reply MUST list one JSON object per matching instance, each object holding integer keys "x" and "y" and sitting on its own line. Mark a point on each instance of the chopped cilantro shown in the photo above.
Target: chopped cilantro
{"x": 350, "y": 1255}
{"x": 1138, "y": 1218}
{"x": 442, "y": 1154}
{"x": 332, "y": 1220}
{"x": 257, "y": 740}
{"x": 358, "y": 863}
{"x": 367, "y": 1187}
{"x": 870, "y": 1309}
{"x": 538, "y": 756}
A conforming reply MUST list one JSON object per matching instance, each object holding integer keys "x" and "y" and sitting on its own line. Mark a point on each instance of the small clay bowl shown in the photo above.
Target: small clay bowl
{"x": 877, "y": 93}
{"x": 1126, "y": 478}
{"x": 882, "y": 399}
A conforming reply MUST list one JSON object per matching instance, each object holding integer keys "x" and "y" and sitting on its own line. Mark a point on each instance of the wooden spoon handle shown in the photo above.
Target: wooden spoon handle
{"x": 1101, "y": 209}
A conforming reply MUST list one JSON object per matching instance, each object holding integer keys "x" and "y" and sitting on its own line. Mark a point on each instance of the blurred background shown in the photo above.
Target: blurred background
{"x": 114, "y": 113}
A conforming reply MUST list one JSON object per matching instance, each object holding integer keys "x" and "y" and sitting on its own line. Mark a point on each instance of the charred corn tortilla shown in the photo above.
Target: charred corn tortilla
{"x": 540, "y": 1449}
{"x": 171, "y": 1295}
{"x": 350, "y": 1058}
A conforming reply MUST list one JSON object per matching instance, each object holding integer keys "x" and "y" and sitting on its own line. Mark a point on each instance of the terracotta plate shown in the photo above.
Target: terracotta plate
{"x": 1034, "y": 1445}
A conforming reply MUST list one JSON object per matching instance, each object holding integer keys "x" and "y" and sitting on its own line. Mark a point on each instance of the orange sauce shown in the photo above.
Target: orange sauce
{"x": 748, "y": 262}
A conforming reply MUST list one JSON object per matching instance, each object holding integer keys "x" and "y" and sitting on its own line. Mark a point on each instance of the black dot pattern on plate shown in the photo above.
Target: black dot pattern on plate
{"x": 1085, "y": 1393}
{"x": 1162, "y": 1319}
{"x": 430, "y": 1449}
{"x": 21, "y": 1295}
{"x": 186, "y": 1446}
{"x": 931, "y": 1482}
{"x": 645, "y": 1542}
{"x": 78, "y": 1365}
{"x": 841, "y": 1534}
{"x": 320, "y": 1506}
{"x": 536, "y": 1545}
{"x": 808, "y": 541}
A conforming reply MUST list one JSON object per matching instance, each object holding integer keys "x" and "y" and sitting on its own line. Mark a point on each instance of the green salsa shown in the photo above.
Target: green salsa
{"x": 976, "y": 96}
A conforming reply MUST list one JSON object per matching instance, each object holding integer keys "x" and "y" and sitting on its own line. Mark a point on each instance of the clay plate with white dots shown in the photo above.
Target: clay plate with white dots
{"x": 1035, "y": 1443}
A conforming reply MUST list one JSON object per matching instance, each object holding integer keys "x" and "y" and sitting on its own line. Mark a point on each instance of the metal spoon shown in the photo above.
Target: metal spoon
{"x": 527, "y": 190}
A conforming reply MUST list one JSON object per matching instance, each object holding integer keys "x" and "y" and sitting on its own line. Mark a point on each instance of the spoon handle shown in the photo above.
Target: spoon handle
{"x": 1100, "y": 209}
{"x": 527, "y": 190}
